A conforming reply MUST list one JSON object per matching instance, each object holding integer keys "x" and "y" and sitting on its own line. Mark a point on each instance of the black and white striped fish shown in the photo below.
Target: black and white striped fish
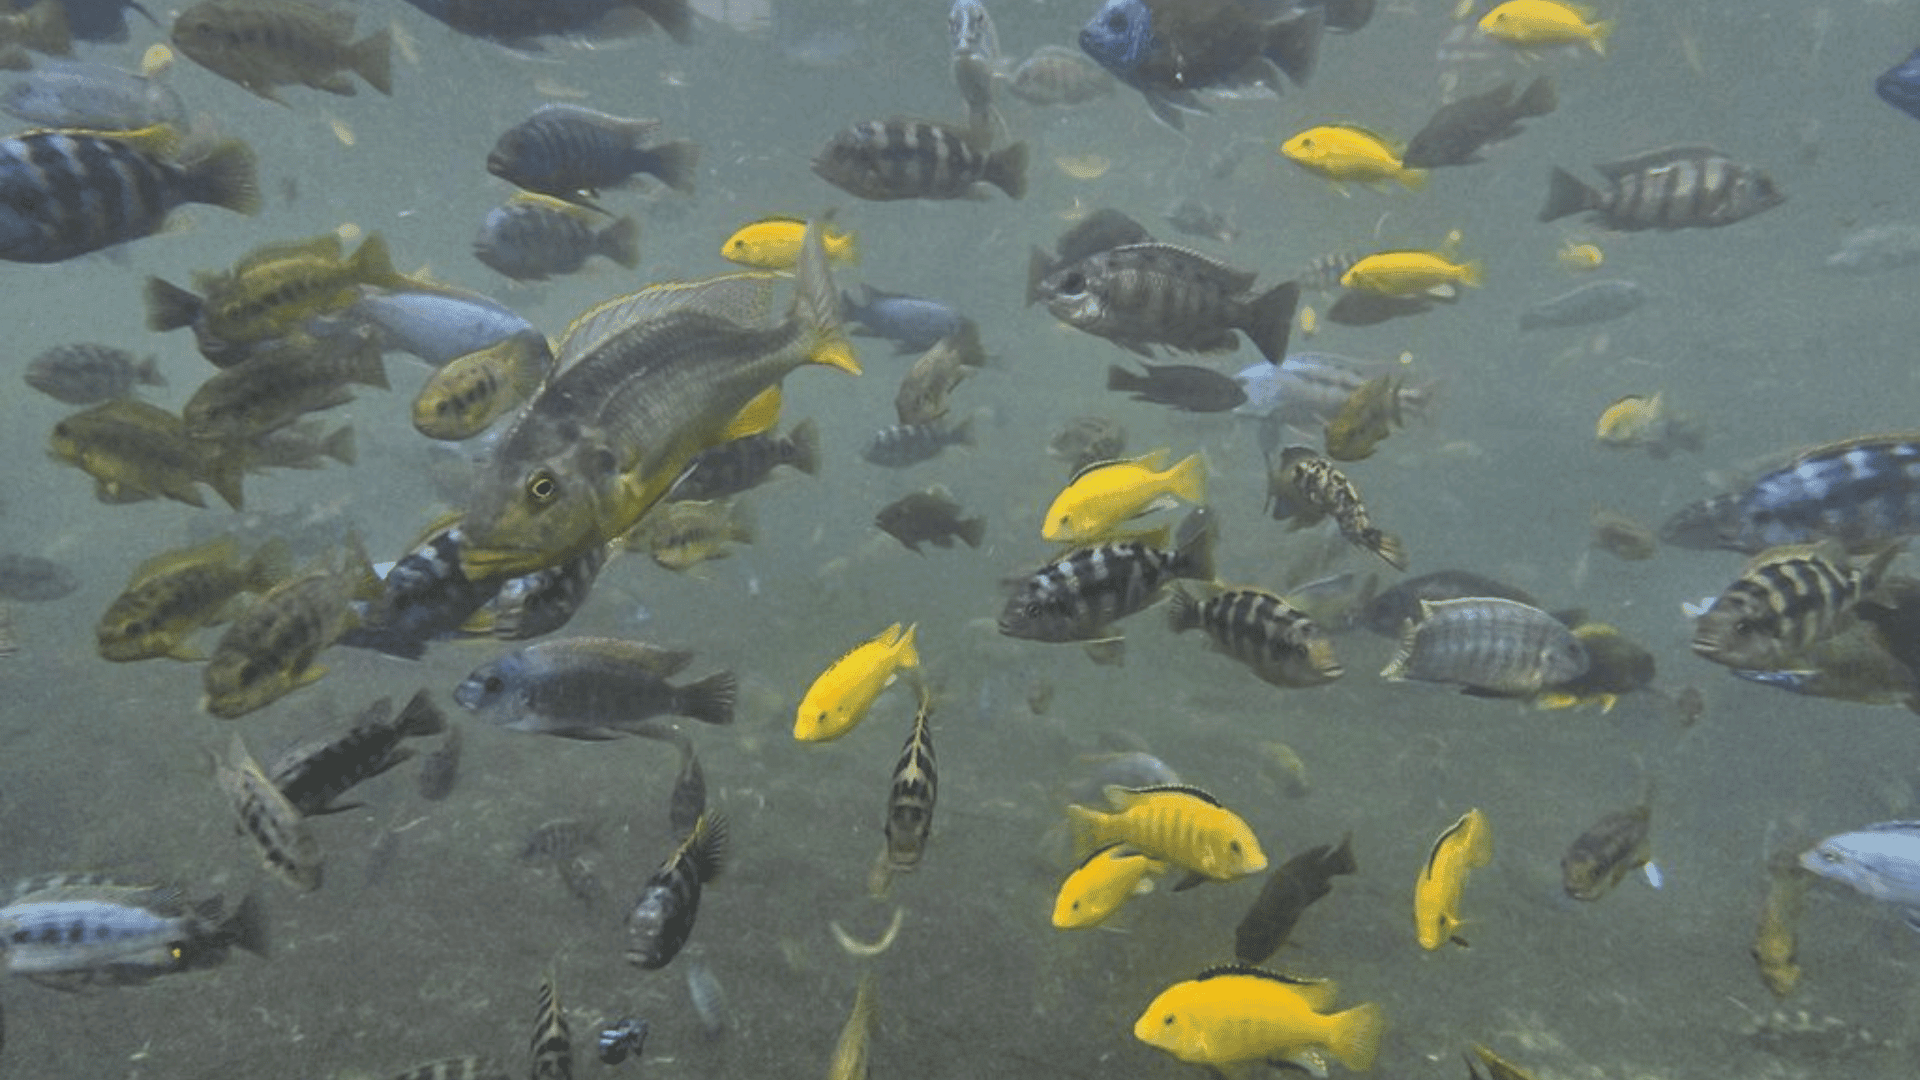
{"x": 902, "y": 445}
{"x": 910, "y": 801}
{"x": 66, "y": 193}
{"x": 313, "y": 775}
{"x": 1862, "y": 492}
{"x": 543, "y": 601}
{"x": 1787, "y": 600}
{"x": 274, "y": 825}
{"x": 662, "y": 918}
{"x": 1488, "y": 646}
{"x": 1078, "y": 596}
{"x": 902, "y": 158}
{"x": 552, "y": 1042}
{"x": 1675, "y": 187}
{"x": 1273, "y": 638}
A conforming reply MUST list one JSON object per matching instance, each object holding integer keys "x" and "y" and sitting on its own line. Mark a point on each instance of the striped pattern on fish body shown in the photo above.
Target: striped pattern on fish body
{"x": 282, "y": 381}
{"x": 563, "y": 150}
{"x": 742, "y": 464}
{"x": 66, "y": 193}
{"x": 1306, "y": 487}
{"x": 1861, "y": 492}
{"x": 273, "y": 290}
{"x": 71, "y": 938}
{"x": 662, "y": 918}
{"x": 457, "y": 1068}
{"x": 1785, "y": 602}
{"x": 1078, "y": 596}
{"x": 1143, "y": 294}
{"x": 177, "y": 592}
{"x": 552, "y": 1044}
{"x": 1671, "y": 188}
{"x": 271, "y": 649}
{"x": 539, "y": 603}
{"x": 1175, "y": 824}
{"x": 274, "y": 825}
{"x": 902, "y": 158}
{"x": 901, "y": 445}
{"x": 313, "y": 776}
{"x": 910, "y": 801}
{"x": 534, "y": 237}
{"x": 1279, "y": 643}
{"x": 137, "y": 451}
{"x": 1488, "y": 646}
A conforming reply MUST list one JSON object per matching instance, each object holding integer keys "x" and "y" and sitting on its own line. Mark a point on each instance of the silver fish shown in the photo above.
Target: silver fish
{"x": 1881, "y": 860}
{"x": 709, "y": 999}
{"x": 1309, "y": 388}
{"x": 903, "y": 158}
{"x": 1141, "y": 294}
{"x": 592, "y": 688}
{"x": 1862, "y": 492}
{"x": 69, "y": 931}
{"x": 1675, "y": 187}
{"x": 1488, "y": 646}
{"x": 535, "y": 237}
{"x": 86, "y": 374}
{"x": 1593, "y": 302}
{"x": 93, "y": 97}
{"x": 1078, "y": 596}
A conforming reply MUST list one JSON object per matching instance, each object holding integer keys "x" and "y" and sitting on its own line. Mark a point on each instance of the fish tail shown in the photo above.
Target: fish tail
{"x": 1123, "y": 381}
{"x": 1007, "y": 170}
{"x": 1597, "y": 36}
{"x": 816, "y": 303}
{"x": 1084, "y": 824}
{"x": 972, "y": 530}
{"x": 1567, "y": 194}
{"x": 340, "y": 445}
{"x": 225, "y": 176}
{"x": 803, "y": 447}
{"x": 1355, "y": 1035}
{"x": 170, "y": 307}
{"x": 248, "y": 926}
{"x": 710, "y": 700}
{"x": 1396, "y": 669}
{"x": 1389, "y": 547}
{"x": 909, "y": 657}
{"x": 620, "y": 242}
{"x": 372, "y": 59}
{"x": 1539, "y": 99}
{"x": 962, "y": 432}
{"x": 1472, "y": 271}
{"x": 1270, "y": 319}
{"x": 1183, "y": 611}
{"x": 420, "y": 716}
{"x": 675, "y": 163}
{"x": 1193, "y": 546}
{"x": 369, "y": 368}
{"x": 1188, "y": 479}
{"x": 224, "y": 472}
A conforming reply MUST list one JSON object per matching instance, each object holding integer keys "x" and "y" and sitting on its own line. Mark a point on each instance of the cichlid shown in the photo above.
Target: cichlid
{"x": 901, "y": 445}
{"x": 922, "y": 398}
{"x": 1787, "y": 600}
{"x": 1460, "y": 129}
{"x": 1304, "y": 487}
{"x": 1308, "y": 389}
{"x": 1612, "y": 848}
{"x": 1776, "y": 932}
{"x": 136, "y": 451}
{"x": 277, "y": 830}
{"x": 1054, "y": 75}
{"x": 1344, "y": 152}
{"x": 740, "y": 465}
{"x": 684, "y": 533}
{"x": 571, "y": 152}
{"x": 662, "y": 918}
{"x": 88, "y": 96}
{"x": 86, "y": 374}
{"x": 773, "y": 243}
{"x": 270, "y": 292}
{"x": 1104, "y": 881}
{"x": 534, "y": 237}
{"x": 1235, "y": 1015}
{"x": 1088, "y": 439}
{"x": 1410, "y": 273}
{"x": 1881, "y": 860}
{"x": 177, "y": 592}
{"x": 536, "y": 604}
{"x": 1276, "y": 642}
{"x": 438, "y": 323}
{"x": 465, "y": 397}
{"x": 1187, "y": 387}
{"x": 1366, "y": 418}
{"x": 850, "y": 1049}
{"x": 1899, "y": 85}
{"x": 75, "y": 931}
{"x": 910, "y": 802}
{"x": 592, "y": 688}
{"x": 266, "y": 44}
{"x": 841, "y": 695}
{"x": 1487, "y": 646}
{"x": 1104, "y": 496}
{"x": 313, "y": 775}
{"x": 1466, "y": 845}
{"x": 272, "y": 648}
{"x": 912, "y": 323}
{"x": 932, "y": 517}
{"x": 551, "y": 1047}
{"x": 904, "y": 158}
{"x": 1533, "y": 24}
{"x": 518, "y": 25}
{"x": 1295, "y": 886}
{"x": 283, "y": 380}
{"x": 1862, "y": 492}
{"x": 1675, "y": 187}
{"x": 1176, "y": 824}
{"x": 1594, "y": 302}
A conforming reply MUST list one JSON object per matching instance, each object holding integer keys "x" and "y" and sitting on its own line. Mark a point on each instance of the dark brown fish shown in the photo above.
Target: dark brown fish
{"x": 932, "y": 517}
{"x": 1368, "y": 416}
{"x": 1187, "y": 387}
{"x": 1088, "y": 439}
{"x": 1615, "y": 846}
{"x": 1358, "y": 308}
{"x": 903, "y": 158}
{"x": 1289, "y": 891}
{"x": 1457, "y": 132}
{"x": 1622, "y": 536}
{"x": 572, "y": 152}
{"x": 1675, "y": 187}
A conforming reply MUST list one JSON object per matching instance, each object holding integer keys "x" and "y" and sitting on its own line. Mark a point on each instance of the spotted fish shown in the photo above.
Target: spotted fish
{"x": 1862, "y": 492}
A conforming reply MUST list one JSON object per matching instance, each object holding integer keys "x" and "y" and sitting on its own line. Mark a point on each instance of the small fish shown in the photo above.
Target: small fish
{"x": 1881, "y": 861}
{"x": 1104, "y": 496}
{"x": 1289, "y": 891}
{"x": 1368, "y": 416}
{"x": 1186, "y": 387}
{"x": 1104, "y": 881}
{"x": 271, "y": 649}
{"x": 773, "y": 243}
{"x": 1487, "y": 646}
{"x": 440, "y": 768}
{"x": 1580, "y": 256}
{"x": 1862, "y": 492}
{"x": 1616, "y": 665}
{"x": 470, "y": 392}
{"x": 1088, "y": 439}
{"x": 1498, "y": 1068}
{"x": 628, "y": 1038}
{"x": 1622, "y": 537}
{"x": 1775, "y": 935}
{"x": 1410, "y": 273}
{"x": 438, "y": 324}
{"x": 271, "y": 292}
{"x": 739, "y": 465}
{"x": 304, "y": 444}
{"x": 274, "y": 825}
{"x": 87, "y": 374}
{"x": 1614, "y": 847}
{"x": 1361, "y": 308}
{"x": 1056, "y": 76}
{"x": 560, "y": 840}
{"x": 910, "y": 799}
{"x": 1235, "y": 1015}
{"x": 922, "y": 398}
{"x": 87, "y": 96}
{"x": 663, "y": 916}
{"x": 709, "y": 999}
{"x": 1535, "y": 24}
{"x": 1195, "y": 218}
{"x": 519, "y": 26}
{"x": 682, "y": 534}
{"x": 1343, "y": 152}
{"x": 976, "y": 58}
{"x": 1675, "y": 187}
{"x": 1877, "y": 249}
{"x": 1179, "y": 825}
{"x": 849, "y": 1060}
{"x": 1646, "y": 421}
{"x": 1899, "y": 85}
{"x": 572, "y": 152}
{"x": 177, "y": 592}
{"x": 77, "y": 931}
{"x": 932, "y": 517}
{"x": 1309, "y": 389}
{"x": 1786, "y": 601}
{"x": 1078, "y": 596}
{"x": 1278, "y": 643}
{"x": 1460, "y": 129}
{"x": 282, "y": 381}
{"x": 902, "y": 445}
{"x": 1594, "y": 302}
{"x": 1304, "y": 487}
{"x": 903, "y": 158}
{"x": 424, "y": 596}
{"x": 1466, "y": 845}
{"x": 688, "y": 799}
{"x": 842, "y": 694}
{"x": 312, "y": 776}
{"x": 64, "y": 194}
{"x": 34, "y": 579}
{"x": 592, "y": 688}
{"x": 534, "y": 237}
{"x": 551, "y": 1047}
{"x": 914, "y": 324}
{"x": 266, "y": 44}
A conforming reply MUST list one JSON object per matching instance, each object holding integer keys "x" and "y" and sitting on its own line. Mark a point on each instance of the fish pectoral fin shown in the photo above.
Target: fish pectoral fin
{"x": 1191, "y": 879}
{"x": 1460, "y": 941}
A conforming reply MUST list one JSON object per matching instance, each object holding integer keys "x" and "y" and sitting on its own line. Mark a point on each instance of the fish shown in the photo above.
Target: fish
{"x": 1143, "y": 294}
{"x": 1498, "y": 1068}
{"x": 773, "y": 243}
{"x": 645, "y": 382}
{"x": 1623, "y": 537}
{"x": 572, "y": 152}
{"x": 437, "y": 323}
{"x": 1862, "y": 492}
{"x": 1104, "y": 881}
{"x": 912, "y": 323}
{"x": 137, "y": 451}
{"x": 1195, "y": 218}
{"x": 682, "y": 534}
{"x": 1533, "y": 24}
{"x": 1104, "y": 496}
{"x": 534, "y": 605}
{"x": 1358, "y": 307}
{"x": 519, "y": 25}
{"x": 87, "y": 96}
{"x": 910, "y": 799}
{"x": 1304, "y": 488}
{"x": 901, "y": 445}
{"x": 1459, "y": 130}
{"x": 1488, "y": 647}
{"x": 1179, "y": 825}
{"x": 1646, "y": 421}
{"x": 1881, "y": 861}
{"x": 1078, "y": 596}
{"x": 1346, "y": 152}
{"x": 1274, "y": 640}
{"x": 932, "y": 517}
{"x": 626, "y": 1038}
{"x": 840, "y": 696}
{"x": 1612, "y": 848}
{"x": 1186, "y": 387}
{"x": 551, "y": 1047}
{"x": 1675, "y": 187}
{"x": 688, "y": 799}
{"x": 1775, "y": 933}
{"x": 742, "y": 464}
{"x": 1466, "y": 845}
{"x": 271, "y": 649}
{"x": 1580, "y": 256}
{"x": 64, "y": 194}
{"x": 560, "y": 840}
{"x": 273, "y": 824}
{"x": 280, "y": 383}
{"x": 1787, "y": 600}
{"x": 1368, "y": 416}
{"x": 708, "y": 998}
{"x": 1410, "y": 273}
{"x": 1089, "y": 439}
{"x": 662, "y": 917}
{"x": 1876, "y": 249}
{"x": 1233, "y": 1015}
{"x": 262, "y": 45}
{"x": 904, "y": 158}
{"x": 534, "y": 237}
{"x": 312, "y": 776}
{"x": 88, "y": 374}
{"x": 41, "y": 27}
{"x": 1616, "y": 665}
{"x": 1054, "y": 76}
{"x": 177, "y": 592}
{"x": 440, "y": 768}
{"x": 850, "y": 1049}
{"x": 272, "y": 291}
{"x": 1594, "y": 302}
{"x": 75, "y": 931}
{"x": 1855, "y": 665}
{"x": 1899, "y": 85}
{"x": 470, "y": 392}
{"x": 1290, "y": 890}
{"x": 424, "y": 596}
{"x": 976, "y": 57}
{"x": 922, "y": 397}
{"x": 1308, "y": 389}
{"x": 303, "y": 444}
{"x": 592, "y": 688}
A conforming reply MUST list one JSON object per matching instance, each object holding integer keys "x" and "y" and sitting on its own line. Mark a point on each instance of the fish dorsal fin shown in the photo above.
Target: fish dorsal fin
{"x": 652, "y": 659}
{"x": 706, "y": 845}
{"x": 220, "y": 549}
{"x": 1317, "y": 987}
{"x": 1153, "y": 460}
{"x": 1180, "y": 789}
{"x": 325, "y": 248}
{"x": 1230, "y": 279}
{"x": 745, "y": 298}
{"x": 1653, "y": 159}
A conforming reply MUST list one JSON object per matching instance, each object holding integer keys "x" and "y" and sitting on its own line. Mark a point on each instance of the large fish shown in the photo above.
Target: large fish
{"x": 1882, "y": 861}
{"x": 1675, "y": 187}
{"x": 1141, "y": 294}
{"x": 1862, "y": 492}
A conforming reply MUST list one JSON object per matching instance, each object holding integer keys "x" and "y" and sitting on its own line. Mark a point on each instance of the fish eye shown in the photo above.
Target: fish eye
{"x": 494, "y": 684}
{"x": 1167, "y": 1021}
{"x": 1073, "y": 283}
{"x": 1033, "y": 609}
{"x": 1233, "y": 846}
{"x": 542, "y": 486}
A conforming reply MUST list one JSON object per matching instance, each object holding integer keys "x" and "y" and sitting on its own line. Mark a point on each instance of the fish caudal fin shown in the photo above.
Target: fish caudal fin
{"x": 972, "y": 530}
{"x": 1084, "y": 824}
{"x": 170, "y": 307}
{"x": 372, "y": 60}
{"x": 225, "y": 176}
{"x": 248, "y": 926}
{"x": 1396, "y": 669}
{"x": 908, "y": 655}
{"x": 1193, "y": 546}
{"x": 1355, "y": 1038}
{"x": 676, "y": 164}
{"x": 710, "y": 700}
{"x": 1124, "y": 381}
{"x": 1007, "y": 170}
{"x": 1388, "y": 547}
{"x": 340, "y": 446}
{"x": 707, "y": 845}
{"x": 420, "y": 716}
{"x": 1270, "y": 320}
{"x": 1567, "y": 194}
{"x": 620, "y": 242}
{"x": 817, "y": 304}
{"x": 1539, "y": 99}
{"x": 1597, "y": 36}
{"x": 1188, "y": 480}
{"x": 804, "y": 441}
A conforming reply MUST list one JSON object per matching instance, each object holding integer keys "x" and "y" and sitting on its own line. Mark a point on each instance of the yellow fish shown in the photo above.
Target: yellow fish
{"x": 466, "y": 396}
{"x": 1630, "y": 420}
{"x": 1409, "y": 273}
{"x": 839, "y": 699}
{"x": 1467, "y": 843}
{"x": 1344, "y": 152}
{"x": 1173, "y": 823}
{"x": 773, "y": 243}
{"x": 1107, "y": 879}
{"x": 1530, "y": 24}
{"x": 1105, "y": 494}
{"x": 1233, "y": 1015}
{"x": 1581, "y": 256}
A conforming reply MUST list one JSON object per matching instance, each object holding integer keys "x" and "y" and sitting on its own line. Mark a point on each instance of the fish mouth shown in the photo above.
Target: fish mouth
{"x": 497, "y": 163}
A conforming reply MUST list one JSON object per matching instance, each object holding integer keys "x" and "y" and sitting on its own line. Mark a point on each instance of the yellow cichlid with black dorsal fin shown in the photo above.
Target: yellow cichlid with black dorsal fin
{"x": 1466, "y": 845}
{"x": 1235, "y": 1014}
{"x": 839, "y": 699}
{"x": 1174, "y": 823}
